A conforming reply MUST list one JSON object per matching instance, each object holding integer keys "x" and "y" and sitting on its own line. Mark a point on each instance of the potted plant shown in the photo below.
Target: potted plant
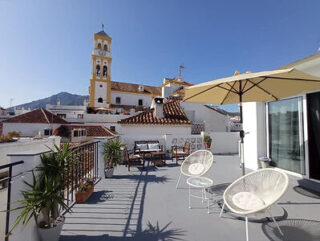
{"x": 112, "y": 156}
{"x": 207, "y": 141}
{"x": 85, "y": 190}
{"x": 44, "y": 200}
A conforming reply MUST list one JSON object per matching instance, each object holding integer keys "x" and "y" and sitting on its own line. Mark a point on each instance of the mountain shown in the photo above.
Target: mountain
{"x": 65, "y": 99}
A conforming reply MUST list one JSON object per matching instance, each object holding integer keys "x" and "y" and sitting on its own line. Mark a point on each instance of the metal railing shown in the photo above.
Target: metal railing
{"x": 83, "y": 167}
{"x": 6, "y": 182}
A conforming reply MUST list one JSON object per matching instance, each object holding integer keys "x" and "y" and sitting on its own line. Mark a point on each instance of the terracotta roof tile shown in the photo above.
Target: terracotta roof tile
{"x": 92, "y": 131}
{"x": 120, "y": 86}
{"x": 37, "y": 116}
{"x": 173, "y": 115}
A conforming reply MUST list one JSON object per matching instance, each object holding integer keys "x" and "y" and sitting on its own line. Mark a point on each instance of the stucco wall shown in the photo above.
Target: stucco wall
{"x": 214, "y": 121}
{"x": 28, "y": 129}
{"x": 153, "y": 130}
{"x": 24, "y": 145}
{"x": 130, "y": 98}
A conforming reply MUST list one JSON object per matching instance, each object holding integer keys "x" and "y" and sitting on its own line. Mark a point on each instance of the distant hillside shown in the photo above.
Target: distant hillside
{"x": 65, "y": 99}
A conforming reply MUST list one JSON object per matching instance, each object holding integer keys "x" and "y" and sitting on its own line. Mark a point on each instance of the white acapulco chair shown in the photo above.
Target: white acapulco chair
{"x": 255, "y": 193}
{"x": 196, "y": 164}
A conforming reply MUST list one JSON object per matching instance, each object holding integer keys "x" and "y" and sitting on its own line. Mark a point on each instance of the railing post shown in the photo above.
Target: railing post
{"x": 8, "y": 205}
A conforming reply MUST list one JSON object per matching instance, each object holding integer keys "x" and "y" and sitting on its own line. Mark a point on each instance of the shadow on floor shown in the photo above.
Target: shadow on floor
{"x": 151, "y": 233}
{"x": 115, "y": 212}
{"x": 293, "y": 230}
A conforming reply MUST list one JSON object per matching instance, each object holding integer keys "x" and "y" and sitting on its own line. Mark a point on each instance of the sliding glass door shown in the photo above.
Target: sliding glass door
{"x": 285, "y": 126}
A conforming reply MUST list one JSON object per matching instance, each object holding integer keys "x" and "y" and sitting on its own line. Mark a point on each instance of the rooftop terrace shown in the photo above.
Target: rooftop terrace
{"x": 145, "y": 205}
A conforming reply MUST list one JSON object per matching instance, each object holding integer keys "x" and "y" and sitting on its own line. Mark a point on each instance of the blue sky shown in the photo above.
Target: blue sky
{"x": 45, "y": 46}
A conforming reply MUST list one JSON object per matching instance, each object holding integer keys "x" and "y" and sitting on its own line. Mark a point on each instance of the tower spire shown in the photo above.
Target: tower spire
{"x": 102, "y": 25}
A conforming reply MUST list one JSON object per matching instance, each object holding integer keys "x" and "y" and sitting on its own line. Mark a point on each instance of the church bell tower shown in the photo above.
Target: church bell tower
{"x": 100, "y": 81}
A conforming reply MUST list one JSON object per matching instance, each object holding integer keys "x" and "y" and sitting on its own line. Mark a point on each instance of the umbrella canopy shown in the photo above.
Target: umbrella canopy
{"x": 253, "y": 87}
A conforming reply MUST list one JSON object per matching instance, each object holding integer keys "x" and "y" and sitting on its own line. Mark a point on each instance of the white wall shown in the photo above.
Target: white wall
{"x": 100, "y": 92}
{"x": 255, "y": 139}
{"x": 153, "y": 130}
{"x": 131, "y": 98}
{"x": 24, "y": 145}
{"x": 28, "y": 129}
{"x": 214, "y": 121}
{"x": 168, "y": 90}
{"x": 224, "y": 142}
{"x": 22, "y": 232}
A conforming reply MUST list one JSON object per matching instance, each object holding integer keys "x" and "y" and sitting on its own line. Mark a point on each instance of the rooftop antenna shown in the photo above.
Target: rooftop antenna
{"x": 181, "y": 67}
{"x": 11, "y": 99}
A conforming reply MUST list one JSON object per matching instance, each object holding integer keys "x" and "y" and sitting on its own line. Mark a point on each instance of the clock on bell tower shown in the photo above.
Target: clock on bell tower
{"x": 100, "y": 81}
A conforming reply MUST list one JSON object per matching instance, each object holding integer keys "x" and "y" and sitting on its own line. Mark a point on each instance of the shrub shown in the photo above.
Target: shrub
{"x": 14, "y": 134}
{"x": 207, "y": 138}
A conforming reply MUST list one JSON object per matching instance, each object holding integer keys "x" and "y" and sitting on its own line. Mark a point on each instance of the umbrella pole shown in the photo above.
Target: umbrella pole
{"x": 241, "y": 136}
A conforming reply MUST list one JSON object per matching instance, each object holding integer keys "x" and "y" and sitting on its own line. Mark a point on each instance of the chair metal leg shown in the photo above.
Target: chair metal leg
{"x": 222, "y": 210}
{"x": 189, "y": 197}
{"x": 273, "y": 219}
{"x": 178, "y": 180}
{"x": 247, "y": 233}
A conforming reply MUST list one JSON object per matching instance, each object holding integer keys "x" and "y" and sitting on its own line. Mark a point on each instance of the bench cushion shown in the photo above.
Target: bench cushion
{"x": 142, "y": 147}
{"x": 153, "y": 146}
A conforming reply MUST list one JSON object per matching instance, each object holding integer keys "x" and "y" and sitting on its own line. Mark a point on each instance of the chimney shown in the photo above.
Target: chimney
{"x": 158, "y": 108}
{"x": 141, "y": 88}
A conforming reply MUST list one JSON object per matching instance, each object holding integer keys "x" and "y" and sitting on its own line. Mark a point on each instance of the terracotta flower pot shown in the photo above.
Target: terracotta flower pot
{"x": 81, "y": 197}
{"x": 207, "y": 144}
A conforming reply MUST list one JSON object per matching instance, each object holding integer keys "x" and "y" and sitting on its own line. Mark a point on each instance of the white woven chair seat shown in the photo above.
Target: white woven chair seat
{"x": 196, "y": 168}
{"x": 247, "y": 201}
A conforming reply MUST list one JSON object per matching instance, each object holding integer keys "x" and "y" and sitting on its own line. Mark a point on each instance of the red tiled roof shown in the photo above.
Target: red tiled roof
{"x": 93, "y": 131}
{"x": 120, "y": 86}
{"x": 173, "y": 115}
{"x": 37, "y": 116}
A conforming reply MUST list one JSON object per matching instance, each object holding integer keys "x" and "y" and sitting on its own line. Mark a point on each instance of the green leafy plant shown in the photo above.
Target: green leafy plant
{"x": 45, "y": 194}
{"x": 207, "y": 138}
{"x": 112, "y": 153}
{"x": 14, "y": 134}
{"x": 85, "y": 186}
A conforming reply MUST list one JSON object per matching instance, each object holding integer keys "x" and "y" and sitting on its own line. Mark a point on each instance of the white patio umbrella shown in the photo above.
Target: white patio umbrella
{"x": 252, "y": 87}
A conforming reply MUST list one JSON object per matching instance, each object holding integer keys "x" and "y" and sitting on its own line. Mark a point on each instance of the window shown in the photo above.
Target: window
{"x": 112, "y": 128}
{"x": 48, "y": 132}
{"x": 98, "y": 70}
{"x": 105, "y": 47}
{"x": 101, "y": 86}
{"x": 118, "y": 100}
{"x": 79, "y": 132}
{"x": 285, "y": 127}
{"x": 80, "y": 116}
{"x": 140, "y": 102}
{"x": 62, "y": 115}
{"x": 100, "y": 100}
{"x": 105, "y": 70}
{"x": 99, "y": 45}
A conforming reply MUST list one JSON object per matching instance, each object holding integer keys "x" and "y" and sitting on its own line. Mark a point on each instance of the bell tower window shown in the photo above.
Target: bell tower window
{"x": 99, "y": 46}
{"x": 105, "y": 70}
{"x": 100, "y": 100}
{"x": 105, "y": 47}
{"x": 118, "y": 100}
{"x": 98, "y": 70}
